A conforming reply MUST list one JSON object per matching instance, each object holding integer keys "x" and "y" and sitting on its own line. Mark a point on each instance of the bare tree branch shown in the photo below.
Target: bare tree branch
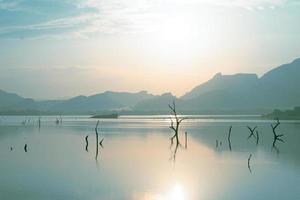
{"x": 175, "y": 124}
{"x": 172, "y": 124}
{"x": 276, "y": 125}
{"x": 180, "y": 120}
{"x": 276, "y": 137}
{"x": 257, "y": 137}
{"x": 251, "y": 132}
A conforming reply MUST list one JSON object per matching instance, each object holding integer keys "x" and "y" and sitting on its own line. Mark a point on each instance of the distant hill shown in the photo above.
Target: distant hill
{"x": 223, "y": 82}
{"x": 241, "y": 93}
{"x": 157, "y": 103}
{"x": 103, "y": 101}
{"x": 287, "y": 114}
{"x": 14, "y": 102}
{"x": 281, "y": 86}
{"x": 81, "y": 104}
{"x": 238, "y": 93}
{"x": 224, "y": 92}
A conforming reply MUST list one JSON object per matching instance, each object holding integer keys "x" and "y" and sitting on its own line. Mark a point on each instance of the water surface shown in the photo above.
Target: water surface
{"x": 136, "y": 162}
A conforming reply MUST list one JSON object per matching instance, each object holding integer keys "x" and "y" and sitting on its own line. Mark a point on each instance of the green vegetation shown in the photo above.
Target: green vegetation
{"x": 288, "y": 114}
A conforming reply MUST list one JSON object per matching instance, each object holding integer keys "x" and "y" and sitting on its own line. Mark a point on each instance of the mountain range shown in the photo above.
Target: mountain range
{"x": 238, "y": 93}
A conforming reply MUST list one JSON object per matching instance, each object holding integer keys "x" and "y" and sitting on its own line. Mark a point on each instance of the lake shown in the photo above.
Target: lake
{"x": 135, "y": 161}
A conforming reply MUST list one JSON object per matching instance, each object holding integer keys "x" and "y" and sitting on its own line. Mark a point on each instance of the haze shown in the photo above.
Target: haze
{"x": 55, "y": 49}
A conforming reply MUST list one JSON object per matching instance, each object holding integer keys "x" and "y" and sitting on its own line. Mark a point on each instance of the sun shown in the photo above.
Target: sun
{"x": 175, "y": 40}
{"x": 176, "y": 193}
{"x": 177, "y": 31}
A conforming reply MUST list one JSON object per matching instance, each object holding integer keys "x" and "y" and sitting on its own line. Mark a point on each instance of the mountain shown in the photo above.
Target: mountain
{"x": 157, "y": 103}
{"x": 103, "y": 101}
{"x": 223, "y": 82}
{"x": 282, "y": 86}
{"x": 11, "y": 101}
{"x": 81, "y": 104}
{"x": 223, "y": 92}
{"x": 238, "y": 93}
{"x": 278, "y": 88}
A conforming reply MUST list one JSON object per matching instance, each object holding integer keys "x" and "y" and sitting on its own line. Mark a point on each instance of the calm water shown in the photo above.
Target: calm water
{"x": 136, "y": 162}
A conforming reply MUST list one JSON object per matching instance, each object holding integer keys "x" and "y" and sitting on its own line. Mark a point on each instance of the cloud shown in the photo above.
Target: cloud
{"x": 52, "y": 24}
{"x": 83, "y": 18}
{"x": 8, "y": 5}
{"x": 90, "y": 17}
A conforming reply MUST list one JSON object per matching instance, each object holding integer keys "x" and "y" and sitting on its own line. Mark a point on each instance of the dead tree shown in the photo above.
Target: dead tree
{"x": 58, "y": 120}
{"x": 86, "y": 143}
{"x": 276, "y": 136}
{"x": 97, "y": 140}
{"x": 249, "y": 166}
{"x": 175, "y": 125}
{"x": 100, "y": 143}
{"x": 39, "y": 122}
{"x": 174, "y": 152}
{"x": 251, "y": 132}
{"x": 228, "y": 138}
{"x": 277, "y": 150}
{"x": 25, "y": 148}
{"x": 257, "y": 137}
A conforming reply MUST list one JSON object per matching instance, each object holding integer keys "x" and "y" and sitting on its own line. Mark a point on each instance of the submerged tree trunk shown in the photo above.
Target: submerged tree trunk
{"x": 177, "y": 123}
{"x": 97, "y": 140}
{"x": 86, "y": 143}
{"x": 249, "y": 166}
{"x": 251, "y": 132}
{"x": 276, "y": 137}
{"x": 228, "y": 138}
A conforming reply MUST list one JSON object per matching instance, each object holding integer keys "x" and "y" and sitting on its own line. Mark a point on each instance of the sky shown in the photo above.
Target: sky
{"x": 54, "y": 49}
